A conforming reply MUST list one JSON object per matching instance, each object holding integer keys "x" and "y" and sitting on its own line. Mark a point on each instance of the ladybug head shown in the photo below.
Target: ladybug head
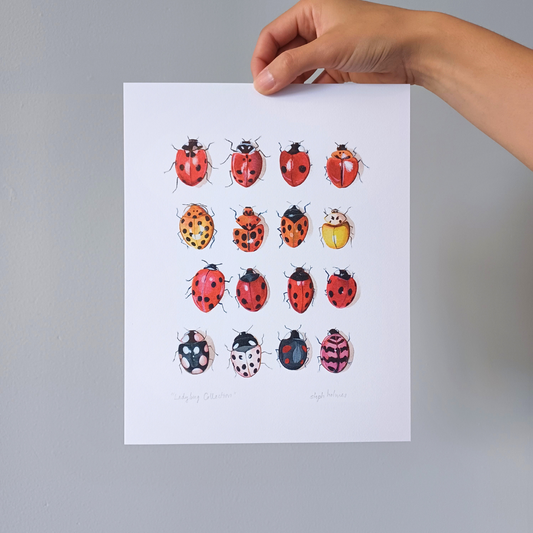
{"x": 341, "y": 147}
{"x": 243, "y": 341}
{"x": 300, "y": 274}
{"x": 211, "y": 267}
{"x": 343, "y": 274}
{"x": 245, "y": 147}
{"x": 192, "y": 336}
{"x": 248, "y": 212}
{"x": 335, "y": 217}
{"x": 249, "y": 276}
{"x": 333, "y": 332}
{"x": 295, "y": 148}
{"x": 193, "y": 145}
{"x": 295, "y": 334}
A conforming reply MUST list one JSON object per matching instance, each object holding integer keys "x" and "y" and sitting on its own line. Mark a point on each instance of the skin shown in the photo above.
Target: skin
{"x": 484, "y": 76}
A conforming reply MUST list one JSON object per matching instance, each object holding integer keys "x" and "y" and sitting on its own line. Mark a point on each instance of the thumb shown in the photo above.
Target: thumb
{"x": 285, "y": 68}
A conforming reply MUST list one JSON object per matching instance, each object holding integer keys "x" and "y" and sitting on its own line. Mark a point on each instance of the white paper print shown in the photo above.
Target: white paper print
{"x": 266, "y": 264}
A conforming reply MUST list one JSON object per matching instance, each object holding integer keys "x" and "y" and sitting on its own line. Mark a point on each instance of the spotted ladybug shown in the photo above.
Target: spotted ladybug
{"x": 341, "y": 289}
{"x": 249, "y": 237}
{"x": 294, "y": 164}
{"x": 247, "y": 163}
{"x": 343, "y": 167}
{"x": 246, "y": 355}
{"x": 252, "y": 290}
{"x": 191, "y": 163}
{"x": 194, "y": 352}
{"x": 294, "y": 226}
{"x": 207, "y": 289}
{"x": 300, "y": 290}
{"x": 196, "y": 226}
{"x": 293, "y": 352}
{"x": 334, "y": 352}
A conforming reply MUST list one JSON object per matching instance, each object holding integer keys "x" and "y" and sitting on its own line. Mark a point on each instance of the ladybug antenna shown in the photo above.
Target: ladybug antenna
{"x": 347, "y": 209}
{"x": 207, "y": 147}
{"x": 249, "y": 328}
{"x": 327, "y": 271}
{"x": 262, "y": 213}
{"x": 234, "y": 211}
{"x": 280, "y": 147}
{"x": 288, "y": 329}
{"x": 305, "y": 206}
{"x": 235, "y": 330}
{"x": 257, "y": 139}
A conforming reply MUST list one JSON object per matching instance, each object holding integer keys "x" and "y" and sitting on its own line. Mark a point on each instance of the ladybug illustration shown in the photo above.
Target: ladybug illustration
{"x": 252, "y": 290}
{"x": 336, "y": 230}
{"x": 341, "y": 289}
{"x": 246, "y": 355}
{"x": 194, "y": 352}
{"x": 196, "y": 226}
{"x": 191, "y": 163}
{"x": 343, "y": 167}
{"x": 294, "y": 226}
{"x": 294, "y": 164}
{"x": 207, "y": 289}
{"x": 252, "y": 232}
{"x": 300, "y": 290}
{"x": 292, "y": 351}
{"x": 334, "y": 352}
{"x": 247, "y": 163}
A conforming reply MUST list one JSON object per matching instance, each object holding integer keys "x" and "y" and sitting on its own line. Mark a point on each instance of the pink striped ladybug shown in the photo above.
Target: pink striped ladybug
{"x": 334, "y": 352}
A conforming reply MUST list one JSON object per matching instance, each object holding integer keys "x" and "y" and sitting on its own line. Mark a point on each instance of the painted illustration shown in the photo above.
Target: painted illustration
{"x": 294, "y": 164}
{"x": 293, "y": 353}
{"x": 341, "y": 289}
{"x": 207, "y": 288}
{"x": 197, "y": 227}
{"x": 194, "y": 352}
{"x": 252, "y": 290}
{"x": 300, "y": 290}
{"x": 334, "y": 352}
{"x": 294, "y": 226}
{"x": 249, "y": 237}
{"x": 343, "y": 167}
{"x": 192, "y": 163}
{"x": 248, "y": 163}
{"x": 336, "y": 230}
{"x": 246, "y": 355}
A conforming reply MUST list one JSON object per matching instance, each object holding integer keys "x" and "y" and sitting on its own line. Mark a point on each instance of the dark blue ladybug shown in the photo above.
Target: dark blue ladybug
{"x": 194, "y": 352}
{"x": 292, "y": 352}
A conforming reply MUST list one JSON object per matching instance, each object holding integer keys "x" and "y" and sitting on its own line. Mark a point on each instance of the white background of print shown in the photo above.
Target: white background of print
{"x": 370, "y": 401}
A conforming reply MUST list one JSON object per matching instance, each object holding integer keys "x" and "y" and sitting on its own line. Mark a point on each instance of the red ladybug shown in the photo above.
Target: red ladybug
{"x": 334, "y": 352}
{"x": 342, "y": 167}
{"x": 300, "y": 290}
{"x": 294, "y": 164}
{"x": 251, "y": 236}
{"x": 207, "y": 289}
{"x": 294, "y": 226}
{"x": 341, "y": 289}
{"x": 252, "y": 290}
{"x": 191, "y": 163}
{"x": 246, "y": 163}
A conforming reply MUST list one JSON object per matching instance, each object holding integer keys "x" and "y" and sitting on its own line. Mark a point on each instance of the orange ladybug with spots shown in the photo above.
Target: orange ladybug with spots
{"x": 294, "y": 226}
{"x": 249, "y": 237}
{"x": 196, "y": 226}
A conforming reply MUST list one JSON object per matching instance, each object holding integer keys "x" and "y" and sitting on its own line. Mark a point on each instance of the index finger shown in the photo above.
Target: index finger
{"x": 279, "y": 33}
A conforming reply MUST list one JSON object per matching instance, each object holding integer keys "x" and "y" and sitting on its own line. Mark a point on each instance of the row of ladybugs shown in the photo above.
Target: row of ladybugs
{"x": 196, "y": 355}
{"x": 248, "y": 164}
{"x": 209, "y": 285}
{"x": 197, "y": 228}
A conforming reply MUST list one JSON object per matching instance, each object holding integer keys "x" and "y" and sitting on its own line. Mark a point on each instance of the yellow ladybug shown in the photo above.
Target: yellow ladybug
{"x": 196, "y": 226}
{"x": 336, "y": 230}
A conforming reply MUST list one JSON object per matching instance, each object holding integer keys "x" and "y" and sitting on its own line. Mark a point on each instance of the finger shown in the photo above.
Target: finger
{"x": 285, "y": 68}
{"x": 279, "y": 33}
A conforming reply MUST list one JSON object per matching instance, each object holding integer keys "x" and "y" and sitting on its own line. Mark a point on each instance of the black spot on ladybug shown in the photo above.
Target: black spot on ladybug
{"x": 283, "y": 230}
{"x": 245, "y": 374}
{"x": 211, "y": 306}
{"x": 244, "y": 245}
{"x": 199, "y": 298}
{"x": 257, "y": 243}
{"x": 251, "y": 365}
{"x": 295, "y": 305}
{"x": 196, "y": 283}
{"x": 341, "y": 290}
{"x": 207, "y": 218}
{"x": 220, "y": 280}
{"x": 334, "y": 303}
{"x": 252, "y": 172}
{"x": 182, "y": 167}
{"x": 305, "y": 222}
{"x": 330, "y": 294}
{"x": 263, "y": 285}
{"x": 302, "y": 168}
{"x": 239, "y": 172}
{"x": 189, "y": 214}
{"x": 311, "y": 285}
{"x": 299, "y": 227}
{"x": 199, "y": 180}
{"x": 307, "y": 295}
{"x": 195, "y": 216}
{"x": 289, "y": 227}
{"x": 243, "y": 366}
{"x": 198, "y": 168}
{"x": 207, "y": 235}
{"x": 206, "y": 298}
{"x": 283, "y": 221}
{"x": 350, "y": 292}
{"x": 295, "y": 295}
{"x": 299, "y": 242}
{"x": 258, "y": 306}
{"x": 193, "y": 292}
{"x": 238, "y": 292}
{"x": 290, "y": 286}
{"x": 190, "y": 224}
{"x": 243, "y": 237}
{"x": 213, "y": 284}
{"x": 286, "y": 239}
{"x": 219, "y": 296}
{"x": 244, "y": 301}
{"x": 283, "y": 169}
{"x": 238, "y": 368}
{"x": 259, "y": 230}
{"x": 202, "y": 242}
{"x": 233, "y": 357}
{"x": 253, "y": 235}
{"x": 184, "y": 230}
{"x": 258, "y": 298}
{"x": 182, "y": 221}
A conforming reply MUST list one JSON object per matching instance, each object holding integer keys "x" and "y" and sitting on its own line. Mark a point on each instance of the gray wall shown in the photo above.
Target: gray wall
{"x": 63, "y": 466}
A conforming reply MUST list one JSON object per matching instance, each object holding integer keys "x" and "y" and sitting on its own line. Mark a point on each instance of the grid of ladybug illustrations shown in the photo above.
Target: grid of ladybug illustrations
{"x": 211, "y": 289}
{"x": 267, "y": 269}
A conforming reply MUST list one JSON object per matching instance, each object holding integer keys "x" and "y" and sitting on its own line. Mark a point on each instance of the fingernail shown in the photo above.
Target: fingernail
{"x": 264, "y": 81}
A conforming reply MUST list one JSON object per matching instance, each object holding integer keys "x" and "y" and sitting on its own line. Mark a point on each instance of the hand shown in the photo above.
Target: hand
{"x": 353, "y": 40}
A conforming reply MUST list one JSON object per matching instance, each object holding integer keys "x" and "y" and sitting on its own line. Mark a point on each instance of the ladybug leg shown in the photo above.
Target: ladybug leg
{"x": 175, "y": 354}
{"x": 171, "y": 167}
{"x": 231, "y": 148}
{"x": 222, "y": 305}
{"x": 280, "y": 147}
{"x": 213, "y": 239}
{"x": 231, "y": 178}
